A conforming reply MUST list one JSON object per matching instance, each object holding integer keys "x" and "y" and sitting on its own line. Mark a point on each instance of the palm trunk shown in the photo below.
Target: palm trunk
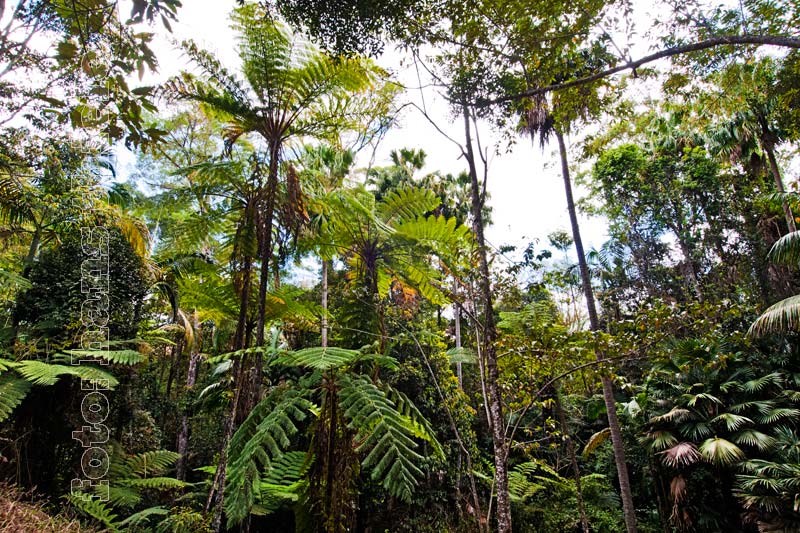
{"x": 489, "y": 335}
{"x": 608, "y": 389}
{"x": 325, "y": 267}
{"x": 562, "y": 419}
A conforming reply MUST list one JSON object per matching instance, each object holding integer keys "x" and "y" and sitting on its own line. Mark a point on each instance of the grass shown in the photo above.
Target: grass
{"x": 19, "y": 513}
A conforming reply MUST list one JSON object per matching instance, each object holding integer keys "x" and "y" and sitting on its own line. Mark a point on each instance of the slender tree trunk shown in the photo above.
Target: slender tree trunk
{"x": 239, "y": 371}
{"x": 496, "y": 420}
{"x": 265, "y": 230}
{"x": 776, "y": 175}
{"x": 459, "y": 373}
{"x": 191, "y": 379}
{"x": 608, "y": 389}
{"x": 325, "y": 268}
{"x": 33, "y": 250}
{"x": 572, "y": 459}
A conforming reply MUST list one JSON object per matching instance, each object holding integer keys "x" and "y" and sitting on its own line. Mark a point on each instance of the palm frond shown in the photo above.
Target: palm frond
{"x": 781, "y": 317}
{"x": 721, "y": 452}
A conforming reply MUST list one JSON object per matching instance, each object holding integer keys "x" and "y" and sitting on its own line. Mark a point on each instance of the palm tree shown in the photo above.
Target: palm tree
{"x": 539, "y": 120}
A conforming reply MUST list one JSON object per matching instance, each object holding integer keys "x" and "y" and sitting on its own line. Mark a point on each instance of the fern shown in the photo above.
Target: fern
{"x": 422, "y": 428}
{"x": 142, "y": 517}
{"x": 406, "y": 204}
{"x": 384, "y": 431}
{"x": 261, "y": 439}
{"x": 41, "y": 373}
{"x": 319, "y": 358}
{"x": 120, "y": 357}
{"x": 12, "y": 391}
{"x": 433, "y": 231}
{"x": 95, "y": 509}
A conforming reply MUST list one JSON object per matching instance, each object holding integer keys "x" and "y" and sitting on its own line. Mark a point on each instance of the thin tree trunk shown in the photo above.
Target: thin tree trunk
{"x": 572, "y": 458}
{"x": 489, "y": 335}
{"x": 265, "y": 230}
{"x": 191, "y": 379}
{"x": 457, "y": 319}
{"x": 608, "y": 389}
{"x": 776, "y": 175}
{"x": 33, "y": 250}
{"x": 325, "y": 267}
{"x": 239, "y": 370}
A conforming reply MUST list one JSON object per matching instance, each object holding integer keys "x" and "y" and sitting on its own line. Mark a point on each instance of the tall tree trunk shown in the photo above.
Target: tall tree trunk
{"x": 325, "y": 268}
{"x": 33, "y": 250}
{"x": 776, "y": 175}
{"x": 496, "y": 420}
{"x": 239, "y": 371}
{"x": 562, "y": 419}
{"x": 608, "y": 389}
{"x": 191, "y": 379}
{"x": 457, "y": 315}
{"x": 265, "y": 230}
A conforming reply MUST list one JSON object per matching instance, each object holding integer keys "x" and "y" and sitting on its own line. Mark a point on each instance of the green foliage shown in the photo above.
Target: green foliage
{"x": 260, "y": 441}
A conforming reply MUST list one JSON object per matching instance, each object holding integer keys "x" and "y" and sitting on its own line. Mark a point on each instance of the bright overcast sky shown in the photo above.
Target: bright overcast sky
{"x": 527, "y": 194}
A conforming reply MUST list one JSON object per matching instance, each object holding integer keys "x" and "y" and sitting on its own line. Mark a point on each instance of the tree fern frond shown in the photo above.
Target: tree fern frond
{"x": 12, "y": 391}
{"x": 143, "y": 517}
{"x": 120, "y": 357}
{"x": 41, "y": 373}
{"x": 319, "y": 358}
{"x": 92, "y": 507}
{"x": 261, "y": 439}
{"x": 422, "y": 427}
{"x": 385, "y": 432}
{"x": 407, "y": 204}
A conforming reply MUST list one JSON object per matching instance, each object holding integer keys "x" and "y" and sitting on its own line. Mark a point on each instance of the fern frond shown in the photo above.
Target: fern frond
{"x": 319, "y": 358}
{"x": 120, "y": 357}
{"x": 12, "y": 391}
{"x": 261, "y": 439}
{"x": 385, "y": 432}
{"x": 143, "y": 517}
{"x": 422, "y": 427}
{"x": 93, "y": 508}
{"x": 41, "y": 373}
{"x": 407, "y": 204}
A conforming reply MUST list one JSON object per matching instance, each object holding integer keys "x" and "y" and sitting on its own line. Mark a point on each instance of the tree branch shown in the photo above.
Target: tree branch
{"x": 723, "y": 40}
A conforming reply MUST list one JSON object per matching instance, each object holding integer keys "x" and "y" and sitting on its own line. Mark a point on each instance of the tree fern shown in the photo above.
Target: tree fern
{"x": 120, "y": 357}
{"x": 385, "y": 432}
{"x": 319, "y": 358}
{"x": 41, "y": 373}
{"x": 92, "y": 507}
{"x": 407, "y": 204}
{"x": 12, "y": 391}
{"x": 261, "y": 439}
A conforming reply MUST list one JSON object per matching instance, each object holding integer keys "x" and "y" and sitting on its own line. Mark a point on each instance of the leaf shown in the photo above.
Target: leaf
{"x": 595, "y": 441}
{"x": 682, "y": 454}
{"x": 383, "y": 431}
{"x": 12, "y": 391}
{"x": 319, "y": 358}
{"x": 721, "y": 452}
